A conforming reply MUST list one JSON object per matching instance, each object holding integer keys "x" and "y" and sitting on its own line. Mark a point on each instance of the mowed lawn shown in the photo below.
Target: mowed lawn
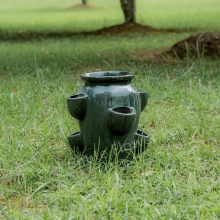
{"x": 55, "y": 15}
{"x": 177, "y": 177}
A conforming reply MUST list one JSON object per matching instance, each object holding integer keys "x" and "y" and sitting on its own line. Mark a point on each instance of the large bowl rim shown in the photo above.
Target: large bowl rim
{"x": 107, "y": 76}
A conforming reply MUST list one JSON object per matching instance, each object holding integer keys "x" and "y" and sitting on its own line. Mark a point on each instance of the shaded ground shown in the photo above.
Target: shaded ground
{"x": 154, "y": 56}
{"x": 129, "y": 28}
{"x": 205, "y": 45}
{"x": 125, "y": 28}
{"x": 81, "y": 6}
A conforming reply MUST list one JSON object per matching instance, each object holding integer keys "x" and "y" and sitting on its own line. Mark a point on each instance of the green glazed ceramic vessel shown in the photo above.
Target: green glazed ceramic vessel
{"x": 108, "y": 109}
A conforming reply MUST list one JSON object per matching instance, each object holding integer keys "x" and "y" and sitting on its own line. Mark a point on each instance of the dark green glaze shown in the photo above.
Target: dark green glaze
{"x": 144, "y": 99}
{"x": 121, "y": 120}
{"x": 77, "y": 105}
{"x": 108, "y": 108}
{"x": 75, "y": 141}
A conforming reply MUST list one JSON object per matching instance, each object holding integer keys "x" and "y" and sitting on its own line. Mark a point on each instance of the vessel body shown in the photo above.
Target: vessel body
{"x": 108, "y": 109}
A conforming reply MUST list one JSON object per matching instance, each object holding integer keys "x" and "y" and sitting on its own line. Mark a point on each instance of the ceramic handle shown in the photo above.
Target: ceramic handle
{"x": 77, "y": 105}
{"x": 75, "y": 141}
{"x": 121, "y": 120}
{"x": 144, "y": 99}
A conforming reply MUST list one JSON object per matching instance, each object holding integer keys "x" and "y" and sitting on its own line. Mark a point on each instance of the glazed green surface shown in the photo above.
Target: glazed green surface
{"x": 94, "y": 128}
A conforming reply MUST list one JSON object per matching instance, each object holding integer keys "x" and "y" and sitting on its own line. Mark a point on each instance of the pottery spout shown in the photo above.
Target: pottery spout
{"x": 144, "y": 98}
{"x": 77, "y": 105}
{"x": 75, "y": 141}
{"x": 121, "y": 120}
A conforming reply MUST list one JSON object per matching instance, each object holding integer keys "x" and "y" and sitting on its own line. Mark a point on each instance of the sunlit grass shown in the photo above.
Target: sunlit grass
{"x": 56, "y": 15}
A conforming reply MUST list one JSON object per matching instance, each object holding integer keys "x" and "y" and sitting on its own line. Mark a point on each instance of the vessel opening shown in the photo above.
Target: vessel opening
{"x": 124, "y": 110}
{"x": 76, "y": 96}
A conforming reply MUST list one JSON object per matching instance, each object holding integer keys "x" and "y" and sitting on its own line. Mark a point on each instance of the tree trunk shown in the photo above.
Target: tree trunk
{"x": 84, "y": 2}
{"x": 129, "y": 9}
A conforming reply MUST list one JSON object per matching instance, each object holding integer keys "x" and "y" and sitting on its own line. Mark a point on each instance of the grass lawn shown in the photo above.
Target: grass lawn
{"x": 177, "y": 177}
{"x": 56, "y": 15}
